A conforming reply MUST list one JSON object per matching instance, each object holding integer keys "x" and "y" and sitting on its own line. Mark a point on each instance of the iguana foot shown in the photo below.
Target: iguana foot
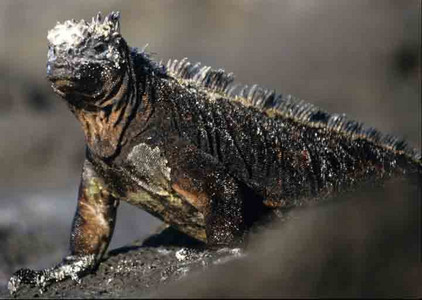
{"x": 71, "y": 266}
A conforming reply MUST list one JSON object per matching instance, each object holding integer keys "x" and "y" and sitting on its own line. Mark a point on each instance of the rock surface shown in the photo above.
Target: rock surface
{"x": 365, "y": 244}
{"x": 138, "y": 270}
{"x": 135, "y": 273}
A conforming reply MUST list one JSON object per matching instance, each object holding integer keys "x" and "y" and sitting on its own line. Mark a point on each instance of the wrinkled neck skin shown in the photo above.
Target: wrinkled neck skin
{"x": 116, "y": 106}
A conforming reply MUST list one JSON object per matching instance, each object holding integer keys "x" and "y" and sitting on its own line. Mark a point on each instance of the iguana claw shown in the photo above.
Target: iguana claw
{"x": 26, "y": 276}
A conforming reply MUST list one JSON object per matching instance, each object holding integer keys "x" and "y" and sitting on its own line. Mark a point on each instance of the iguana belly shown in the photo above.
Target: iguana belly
{"x": 173, "y": 210}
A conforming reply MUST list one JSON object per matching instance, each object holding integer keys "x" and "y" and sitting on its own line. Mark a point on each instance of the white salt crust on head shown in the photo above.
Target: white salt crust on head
{"x": 72, "y": 34}
{"x": 81, "y": 35}
{"x": 68, "y": 34}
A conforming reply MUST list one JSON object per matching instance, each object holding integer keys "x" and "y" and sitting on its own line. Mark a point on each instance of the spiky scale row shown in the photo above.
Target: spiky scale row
{"x": 216, "y": 80}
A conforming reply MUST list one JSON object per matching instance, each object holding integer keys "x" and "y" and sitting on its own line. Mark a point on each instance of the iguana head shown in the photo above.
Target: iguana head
{"x": 86, "y": 60}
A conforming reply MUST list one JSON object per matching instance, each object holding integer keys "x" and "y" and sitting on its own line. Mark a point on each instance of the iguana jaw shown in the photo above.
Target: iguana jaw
{"x": 69, "y": 88}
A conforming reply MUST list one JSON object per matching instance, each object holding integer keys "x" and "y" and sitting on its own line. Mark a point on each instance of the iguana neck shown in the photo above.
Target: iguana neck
{"x": 104, "y": 124}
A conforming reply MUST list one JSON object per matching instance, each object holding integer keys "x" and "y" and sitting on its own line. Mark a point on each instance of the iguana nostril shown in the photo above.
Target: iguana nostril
{"x": 49, "y": 69}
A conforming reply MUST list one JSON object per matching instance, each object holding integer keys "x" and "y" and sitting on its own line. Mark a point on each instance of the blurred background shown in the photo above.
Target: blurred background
{"x": 357, "y": 57}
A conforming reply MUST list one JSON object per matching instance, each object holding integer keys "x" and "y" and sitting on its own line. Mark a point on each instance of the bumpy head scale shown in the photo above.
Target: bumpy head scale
{"x": 81, "y": 40}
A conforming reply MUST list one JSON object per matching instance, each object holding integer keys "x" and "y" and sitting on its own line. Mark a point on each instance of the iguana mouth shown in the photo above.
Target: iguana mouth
{"x": 63, "y": 82}
{"x": 59, "y": 75}
{"x": 62, "y": 85}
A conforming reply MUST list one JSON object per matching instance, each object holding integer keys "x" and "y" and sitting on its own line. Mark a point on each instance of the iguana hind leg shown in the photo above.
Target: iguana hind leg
{"x": 200, "y": 179}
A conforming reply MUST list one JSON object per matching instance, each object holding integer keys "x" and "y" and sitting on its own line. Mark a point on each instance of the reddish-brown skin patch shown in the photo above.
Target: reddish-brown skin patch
{"x": 198, "y": 200}
{"x": 273, "y": 204}
{"x": 306, "y": 157}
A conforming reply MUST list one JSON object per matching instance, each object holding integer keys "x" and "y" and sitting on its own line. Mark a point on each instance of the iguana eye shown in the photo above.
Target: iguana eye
{"x": 100, "y": 48}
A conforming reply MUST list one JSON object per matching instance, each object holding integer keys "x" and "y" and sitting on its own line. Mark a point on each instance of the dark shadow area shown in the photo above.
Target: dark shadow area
{"x": 168, "y": 237}
{"x": 171, "y": 237}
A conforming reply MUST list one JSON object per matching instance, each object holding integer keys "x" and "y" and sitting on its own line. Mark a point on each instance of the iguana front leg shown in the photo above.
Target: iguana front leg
{"x": 92, "y": 229}
{"x": 204, "y": 182}
{"x": 95, "y": 216}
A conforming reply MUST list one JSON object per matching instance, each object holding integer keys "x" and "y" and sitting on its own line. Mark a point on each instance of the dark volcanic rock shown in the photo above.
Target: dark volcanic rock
{"x": 138, "y": 270}
{"x": 134, "y": 273}
{"x": 364, "y": 244}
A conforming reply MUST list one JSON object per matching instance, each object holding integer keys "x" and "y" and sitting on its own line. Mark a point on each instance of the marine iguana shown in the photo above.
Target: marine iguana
{"x": 187, "y": 144}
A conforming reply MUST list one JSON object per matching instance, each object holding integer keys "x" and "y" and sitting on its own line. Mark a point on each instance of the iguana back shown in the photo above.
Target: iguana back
{"x": 285, "y": 149}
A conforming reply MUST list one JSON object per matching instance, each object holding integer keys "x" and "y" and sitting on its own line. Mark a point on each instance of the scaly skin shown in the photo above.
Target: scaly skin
{"x": 179, "y": 143}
